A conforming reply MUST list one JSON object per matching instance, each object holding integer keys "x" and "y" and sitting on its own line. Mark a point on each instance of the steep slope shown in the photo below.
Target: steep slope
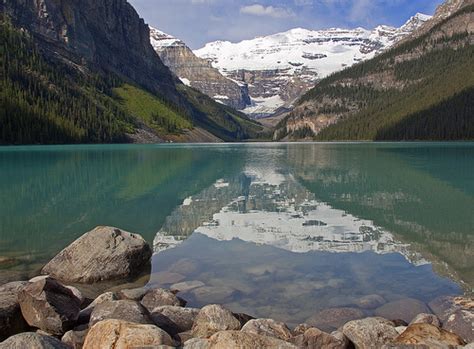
{"x": 422, "y": 89}
{"x": 280, "y": 68}
{"x": 71, "y": 69}
{"x": 196, "y": 72}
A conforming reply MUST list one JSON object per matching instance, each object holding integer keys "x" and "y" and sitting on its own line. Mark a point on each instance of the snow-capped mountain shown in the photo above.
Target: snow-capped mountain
{"x": 197, "y": 72}
{"x": 281, "y": 67}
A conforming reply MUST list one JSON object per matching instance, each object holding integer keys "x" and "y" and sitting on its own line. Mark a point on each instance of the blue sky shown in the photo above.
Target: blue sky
{"x": 200, "y": 21}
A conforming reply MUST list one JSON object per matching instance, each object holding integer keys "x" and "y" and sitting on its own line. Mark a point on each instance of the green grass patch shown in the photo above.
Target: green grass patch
{"x": 154, "y": 112}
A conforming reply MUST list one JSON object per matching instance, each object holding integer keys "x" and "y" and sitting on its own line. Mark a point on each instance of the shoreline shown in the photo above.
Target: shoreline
{"x": 46, "y": 309}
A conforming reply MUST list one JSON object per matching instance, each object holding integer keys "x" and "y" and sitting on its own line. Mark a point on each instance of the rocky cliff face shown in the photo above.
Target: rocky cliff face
{"x": 280, "y": 68}
{"x": 198, "y": 73}
{"x": 107, "y": 35}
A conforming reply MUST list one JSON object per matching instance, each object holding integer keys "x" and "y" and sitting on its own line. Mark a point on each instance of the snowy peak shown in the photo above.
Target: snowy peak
{"x": 160, "y": 40}
{"x": 279, "y": 68}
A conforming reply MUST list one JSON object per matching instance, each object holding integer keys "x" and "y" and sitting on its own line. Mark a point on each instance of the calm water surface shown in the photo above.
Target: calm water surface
{"x": 274, "y": 230}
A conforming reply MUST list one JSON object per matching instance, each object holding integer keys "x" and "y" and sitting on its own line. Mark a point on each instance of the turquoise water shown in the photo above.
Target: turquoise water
{"x": 304, "y": 226}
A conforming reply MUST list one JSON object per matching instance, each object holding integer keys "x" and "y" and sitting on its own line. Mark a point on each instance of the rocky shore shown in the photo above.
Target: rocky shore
{"x": 50, "y": 311}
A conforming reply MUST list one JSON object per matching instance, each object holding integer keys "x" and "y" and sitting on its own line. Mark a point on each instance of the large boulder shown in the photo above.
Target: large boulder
{"x": 49, "y": 306}
{"x": 315, "y": 338}
{"x": 212, "y": 319}
{"x": 428, "y": 335}
{"x": 11, "y": 319}
{"x": 461, "y": 322}
{"x": 238, "y": 340}
{"x": 117, "y": 334}
{"x": 104, "y": 253}
{"x": 268, "y": 327}
{"x": 159, "y": 297}
{"x": 333, "y": 318}
{"x": 30, "y": 340}
{"x": 406, "y": 309}
{"x": 174, "y": 319}
{"x": 125, "y": 310}
{"x": 370, "y": 332}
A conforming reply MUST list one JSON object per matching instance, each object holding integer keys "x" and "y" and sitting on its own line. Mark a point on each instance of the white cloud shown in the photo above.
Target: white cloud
{"x": 267, "y": 11}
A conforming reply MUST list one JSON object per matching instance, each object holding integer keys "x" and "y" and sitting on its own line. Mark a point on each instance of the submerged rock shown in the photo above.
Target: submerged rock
{"x": 370, "y": 332}
{"x": 370, "y": 302}
{"x": 11, "y": 319}
{"x": 125, "y": 310}
{"x": 212, "y": 319}
{"x": 49, "y": 306}
{"x": 117, "y": 334}
{"x": 186, "y": 286}
{"x": 429, "y": 335}
{"x": 30, "y": 340}
{"x": 104, "y": 253}
{"x": 333, "y": 318}
{"x": 159, "y": 297}
{"x": 406, "y": 309}
{"x": 174, "y": 319}
{"x": 268, "y": 327}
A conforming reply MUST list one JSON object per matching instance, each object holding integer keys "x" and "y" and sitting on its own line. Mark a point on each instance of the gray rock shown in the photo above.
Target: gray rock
{"x": 212, "y": 319}
{"x": 104, "y": 253}
{"x": 315, "y": 338}
{"x": 371, "y": 301}
{"x": 11, "y": 319}
{"x": 49, "y": 306}
{"x": 208, "y": 294}
{"x": 125, "y": 310}
{"x": 85, "y": 314}
{"x": 243, "y": 318}
{"x": 75, "y": 338}
{"x": 134, "y": 294}
{"x": 196, "y": 343}
{"x": 406, "y": 309}
{"x": 159, "y": 297}
{"x": 370, "y": 332}
{"x": 268, "y": 327}
{"x": 333, "y": 318}
{"x": 30, "y": 340}
{"x": 426, "y": 319}
{"x": 174, "y": 319}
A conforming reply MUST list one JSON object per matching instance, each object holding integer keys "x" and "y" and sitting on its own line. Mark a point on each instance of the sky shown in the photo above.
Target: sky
{"x": 198, "y": 22}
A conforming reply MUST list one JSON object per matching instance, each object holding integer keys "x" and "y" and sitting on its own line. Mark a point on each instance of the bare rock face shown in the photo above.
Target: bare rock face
{"x": 159, "y": 297}
{"x": 174, "y": 319}
{"x": 405, "y": 309}
{"x": 49, "y": 306}
{"x": 212, "y": 319}
{"x": 11, "y": 319}
{"x": 426, "y": 319}
{"x": 315, "y": 338}
{"x": 269, "y": 328}
{"x": 117, "y": 334}
{"x": 238, "y": 340}
{"x": 429, "y": 335}
{"x": 104, "y": 253}
{"x": 30, "y": 340}
{"x": 331, "y": 319}
{"x": 125, "y": 310}
{"x": 370, "y": 332}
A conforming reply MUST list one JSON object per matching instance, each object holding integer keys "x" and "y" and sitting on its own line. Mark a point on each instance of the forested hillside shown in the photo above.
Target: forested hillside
{"x": 420, "y": 90}
{"x": 56, "y": 90}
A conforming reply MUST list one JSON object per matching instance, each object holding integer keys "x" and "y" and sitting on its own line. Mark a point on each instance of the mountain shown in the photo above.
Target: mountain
{"x": 280, "y": 68}
{"x": 421, "y": 89}
{"x": 197, "y": 72}
{"x": 85, "y": 71}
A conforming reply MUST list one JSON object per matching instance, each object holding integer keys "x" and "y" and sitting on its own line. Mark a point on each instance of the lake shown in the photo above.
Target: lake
{"x": 273, "y": 230}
